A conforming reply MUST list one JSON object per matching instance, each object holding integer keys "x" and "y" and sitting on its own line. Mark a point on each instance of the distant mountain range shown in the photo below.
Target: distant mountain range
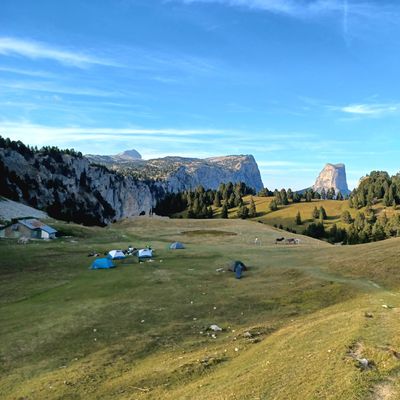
{"x": 178, "y": 173}
{"x": 104, "y": 188}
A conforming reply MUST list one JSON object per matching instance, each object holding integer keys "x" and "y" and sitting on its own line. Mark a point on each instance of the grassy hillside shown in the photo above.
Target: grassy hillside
{"x": 285, "y": 215}
{"x": 292, "y": 325}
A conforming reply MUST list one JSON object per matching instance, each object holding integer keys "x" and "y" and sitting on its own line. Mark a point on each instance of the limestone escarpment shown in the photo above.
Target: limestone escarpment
{"x": 176, "y": 174}
{"x": 332, "y": 176}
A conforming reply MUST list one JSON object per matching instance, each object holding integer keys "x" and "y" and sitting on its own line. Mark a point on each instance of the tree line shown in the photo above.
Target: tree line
{"x": 375, "y": 187}
{"x": 28, "y": 152}
{"x": 284, "y": 197}
{"x": 199, "y": 202}
{"x": 365, "y": 227}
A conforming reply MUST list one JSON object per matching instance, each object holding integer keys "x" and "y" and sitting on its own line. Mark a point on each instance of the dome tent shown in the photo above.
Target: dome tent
{"x": 116, "y": 254}
{"x": 237, "y": 267}
{"x": 234, "y": 264}
{"x": 145, "y": 253}
{"x": 102, "y": 263}
{"x": 176, "y": 246}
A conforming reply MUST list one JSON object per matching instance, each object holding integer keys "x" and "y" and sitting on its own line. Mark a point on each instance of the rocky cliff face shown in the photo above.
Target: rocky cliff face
{"x": 102, "y": 189}
{"x": 176, "y": 174}
{"x": 332, "y": 176}
{"x": 68, "y": 187}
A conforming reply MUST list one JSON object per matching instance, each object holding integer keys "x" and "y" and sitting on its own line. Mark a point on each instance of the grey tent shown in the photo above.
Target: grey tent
{"x": 176, "y": 246}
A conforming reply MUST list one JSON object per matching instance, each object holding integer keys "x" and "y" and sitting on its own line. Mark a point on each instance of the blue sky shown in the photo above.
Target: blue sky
{"x": 296, "y": 83}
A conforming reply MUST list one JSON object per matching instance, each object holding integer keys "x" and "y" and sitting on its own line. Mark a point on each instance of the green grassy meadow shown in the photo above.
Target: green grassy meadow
{"x": 139, "y": 331}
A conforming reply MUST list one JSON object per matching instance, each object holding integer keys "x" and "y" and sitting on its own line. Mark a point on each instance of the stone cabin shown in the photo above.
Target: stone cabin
{"x": 29, "y": 228}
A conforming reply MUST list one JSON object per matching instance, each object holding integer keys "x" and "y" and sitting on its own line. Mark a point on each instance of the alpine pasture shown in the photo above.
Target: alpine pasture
{"x": 293, "y": 327}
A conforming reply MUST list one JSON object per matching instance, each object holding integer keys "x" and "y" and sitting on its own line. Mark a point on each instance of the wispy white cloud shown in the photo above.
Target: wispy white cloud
{"x": 372, "y": 110}
{"x": 10, "y": 46}
{"x": 27, "y": 72}
{"x": 54, "y": 131}
{"x": 86, "y": 139}
{"x": 293, "y": 8}
{"x": 53, "y": 87}
{"x": 351, "y": 14}
{"x": 166, "y": 66}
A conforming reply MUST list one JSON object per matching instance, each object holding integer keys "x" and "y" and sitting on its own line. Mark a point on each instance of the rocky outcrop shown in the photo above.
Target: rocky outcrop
{"x": 175, "y": 174}
{"x": 332, "y": 176}
{"x": 67, "y": 187}
{"x": 121, "y": 158}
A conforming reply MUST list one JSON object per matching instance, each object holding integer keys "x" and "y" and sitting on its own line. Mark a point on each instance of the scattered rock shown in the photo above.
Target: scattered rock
{"x": 215, "y": 328}
{"x": 368, "y": 315}
{"x": 364, "y": 364}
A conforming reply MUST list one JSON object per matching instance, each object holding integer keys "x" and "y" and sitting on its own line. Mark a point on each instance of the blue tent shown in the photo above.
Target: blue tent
{"x": 176, "y": 245}
{"x": 238, "y": 271}
{"x": 102, "y": 263}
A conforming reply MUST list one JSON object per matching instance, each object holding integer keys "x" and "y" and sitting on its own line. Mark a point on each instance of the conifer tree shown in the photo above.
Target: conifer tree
{"x": 217, "y": 200}
{"x": 252, "y": 209}
{"x": 346, "y": 217}
{"x": 296, "y": 198}
{"x": 330, "y": 194}
{"x": 359, "y": 221}
{"x": 273, "y": 206}
{"x": 243, "y": 212}
{"x": 298, "y": 218}
{"x": 231, "y": 201}
{"x": 284, "y": 197}
{"x": 224, "y": 211}
{"x": 378, "y": 232}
